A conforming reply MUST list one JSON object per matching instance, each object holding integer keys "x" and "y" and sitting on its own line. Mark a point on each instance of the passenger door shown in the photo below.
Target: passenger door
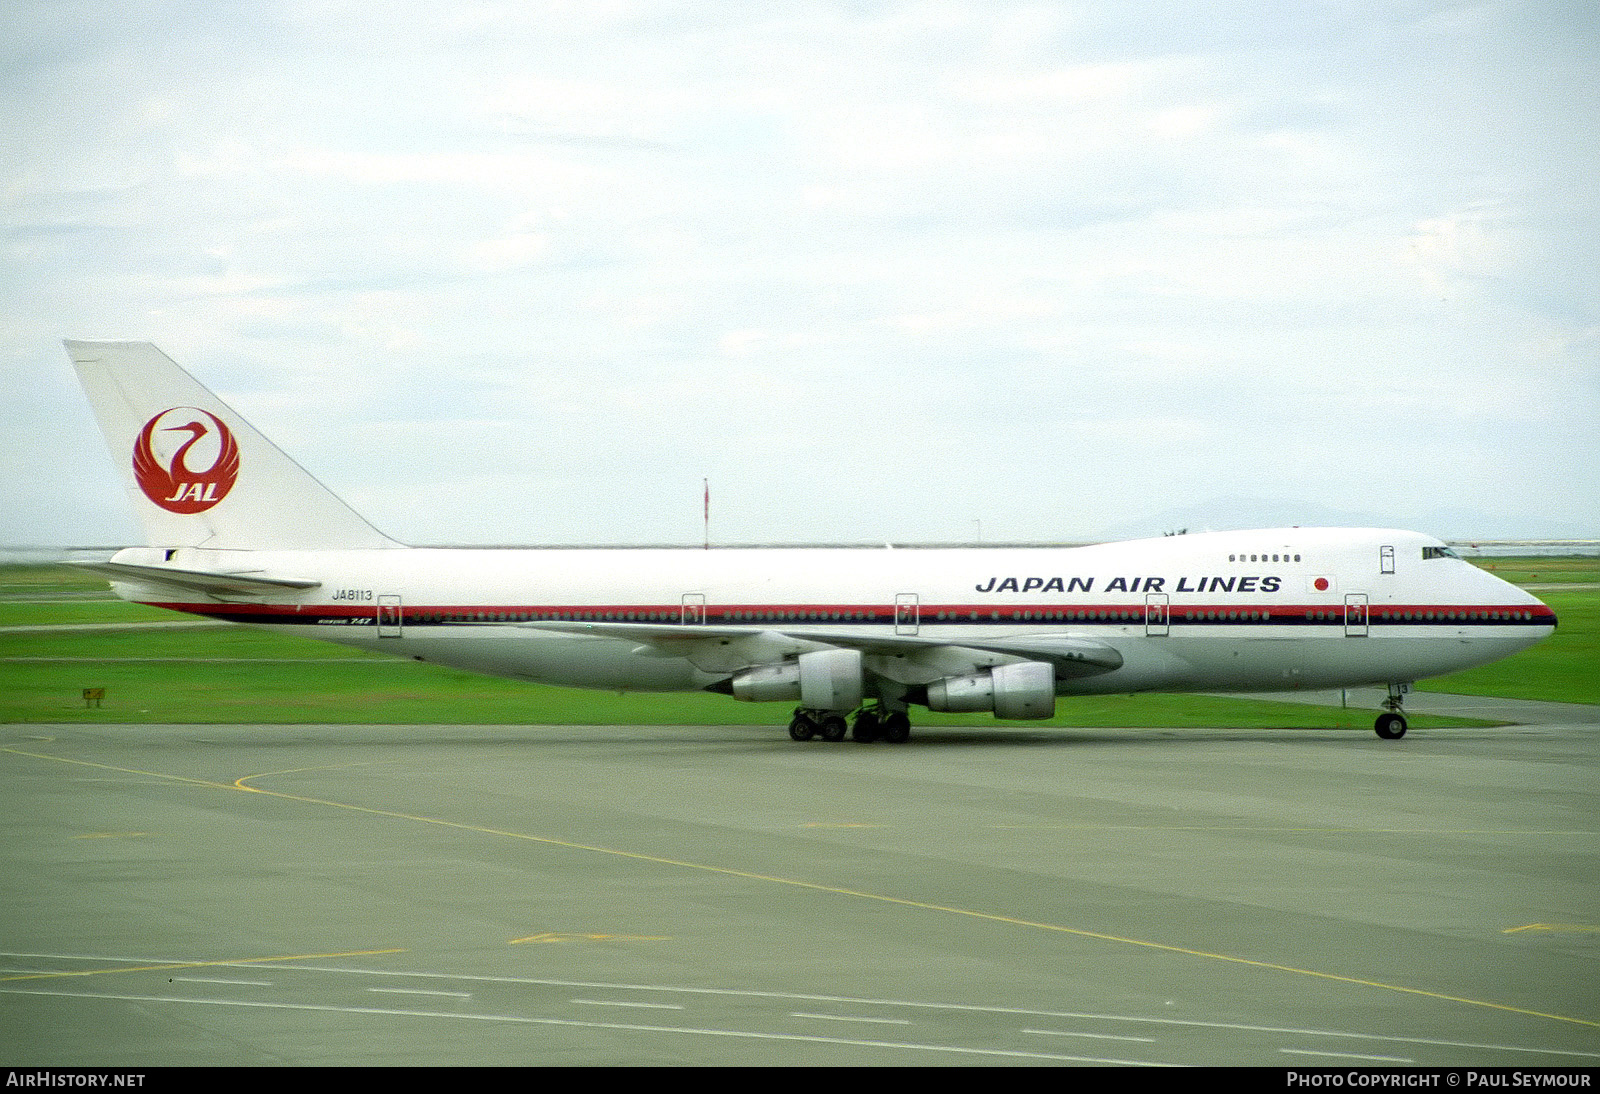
{"x": 1355, "y": 615}
{"x": 388, "y": 617}
{"x": 694, "y": 608}
{"x": 907, "y": 613}
{"x": 1155, "y": 615}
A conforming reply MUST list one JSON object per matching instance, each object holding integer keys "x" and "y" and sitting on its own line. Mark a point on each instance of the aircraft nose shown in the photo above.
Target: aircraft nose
{"x": 1547, "y": 615}
{"x": 1536, "y": 618}
{"x": 1540, "y": 615}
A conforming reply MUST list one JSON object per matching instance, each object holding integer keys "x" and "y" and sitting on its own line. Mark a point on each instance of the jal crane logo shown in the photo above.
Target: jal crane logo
{"x": 163, "y": 459}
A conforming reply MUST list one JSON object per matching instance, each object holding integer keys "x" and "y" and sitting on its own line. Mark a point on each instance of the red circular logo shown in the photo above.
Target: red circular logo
{"x": 167, "y": 453}
{"x": 1322, "y": 584}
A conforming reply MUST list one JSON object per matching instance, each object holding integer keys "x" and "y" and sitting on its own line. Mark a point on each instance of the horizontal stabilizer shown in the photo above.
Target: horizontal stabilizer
{"x": 206, "y": 581}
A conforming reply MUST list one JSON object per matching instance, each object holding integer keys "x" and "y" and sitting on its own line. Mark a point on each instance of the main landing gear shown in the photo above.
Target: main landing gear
{"x": 876, "y": 724}
{"x": 1391, "y": 725}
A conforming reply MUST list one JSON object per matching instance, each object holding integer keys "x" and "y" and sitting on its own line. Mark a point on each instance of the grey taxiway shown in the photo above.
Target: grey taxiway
{"x": 680, "y": 895}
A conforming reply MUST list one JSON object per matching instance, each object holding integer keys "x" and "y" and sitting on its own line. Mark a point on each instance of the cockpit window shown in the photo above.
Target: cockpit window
{"x": 1438, "y": 552}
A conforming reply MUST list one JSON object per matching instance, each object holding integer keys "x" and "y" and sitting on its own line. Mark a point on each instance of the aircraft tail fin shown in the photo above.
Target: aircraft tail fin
{"x": 199, "y": 475}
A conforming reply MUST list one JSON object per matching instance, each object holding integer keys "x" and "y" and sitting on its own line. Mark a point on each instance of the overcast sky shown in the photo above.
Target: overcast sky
{"x": 530, "y": 272}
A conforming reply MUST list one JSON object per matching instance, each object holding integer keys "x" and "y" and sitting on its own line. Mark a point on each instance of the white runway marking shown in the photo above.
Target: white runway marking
{"x": 625, "y": 1003}
{"x": 750, "y": 1035}
{"x": 1125, "y": 1020}
{"x": 851, "y": 1018}
{"x": 422, "y": 991}
{"x": 970, "y": 1008}
{"x": 1096, "y": 1036}
{"x": 1348, "y": 1056}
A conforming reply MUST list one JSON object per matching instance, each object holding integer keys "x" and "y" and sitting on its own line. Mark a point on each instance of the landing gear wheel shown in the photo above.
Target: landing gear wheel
{"x": 832, "y": 728}
{"x": 896, "y": 727}
{"x": 802, "y": 728}
{"x": 867, "y": 728}
{"x": 1391, "y": 727}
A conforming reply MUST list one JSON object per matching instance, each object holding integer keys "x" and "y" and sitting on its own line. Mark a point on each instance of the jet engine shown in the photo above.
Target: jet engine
{"x": 1023, "y": 690}
{"x": 821, "y": 680}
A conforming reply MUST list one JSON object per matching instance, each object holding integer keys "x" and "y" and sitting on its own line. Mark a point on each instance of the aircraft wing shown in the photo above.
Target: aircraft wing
{"x": 214, "y": 582}
{"x": 728, "y": 649}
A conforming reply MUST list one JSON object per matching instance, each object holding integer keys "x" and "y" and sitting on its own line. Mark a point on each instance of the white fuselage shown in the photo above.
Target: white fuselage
{"x": 1269, "y": 610}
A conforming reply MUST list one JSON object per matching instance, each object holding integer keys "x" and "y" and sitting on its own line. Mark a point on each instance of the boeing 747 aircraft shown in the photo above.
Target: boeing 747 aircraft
{"x": 854, "y": 638}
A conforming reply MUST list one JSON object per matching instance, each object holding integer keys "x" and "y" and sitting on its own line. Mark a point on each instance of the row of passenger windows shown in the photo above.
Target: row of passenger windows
{"x": 1390, "y": 615}
{"x": 672, "y": 616}
{"x": 528, "y": 617}
{"x": 1264, "y": 557}
{"x": 1095, "y": 615}
{"x": 1452, "y": 617}
{"x": 796, "y": 617}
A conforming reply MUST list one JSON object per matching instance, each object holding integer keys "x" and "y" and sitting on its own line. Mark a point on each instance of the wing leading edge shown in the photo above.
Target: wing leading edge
{"x": 728, "y": 649}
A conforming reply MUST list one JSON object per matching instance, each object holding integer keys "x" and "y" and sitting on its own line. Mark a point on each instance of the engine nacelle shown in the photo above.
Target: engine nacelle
{"x": 768, "y": 683}
{"x": 1021, "y": 691}
{"x": 821, "y": 680}
{"x": 831, "y": 680}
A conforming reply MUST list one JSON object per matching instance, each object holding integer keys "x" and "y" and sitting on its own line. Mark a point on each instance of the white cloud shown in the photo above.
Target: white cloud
{"x": 883, "y": 270}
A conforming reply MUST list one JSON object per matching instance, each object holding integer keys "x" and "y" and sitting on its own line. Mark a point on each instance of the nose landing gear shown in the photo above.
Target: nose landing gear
{"x": 1391, "y": 725}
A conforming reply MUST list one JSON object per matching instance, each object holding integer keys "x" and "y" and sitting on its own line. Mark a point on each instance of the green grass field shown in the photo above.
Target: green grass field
{"x": 1565, "y": 668}
{"x": 225, "y": 673}
{"x": 1582, "y": 569}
